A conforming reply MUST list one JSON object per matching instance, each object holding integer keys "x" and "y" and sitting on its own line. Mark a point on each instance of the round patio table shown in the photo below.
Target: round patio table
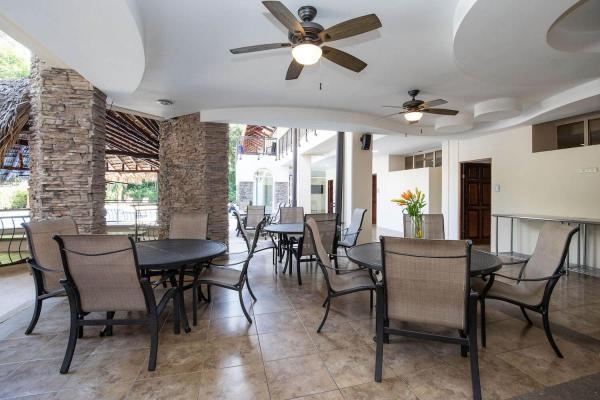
{"x": 175, "y": 255}
{"x": 368, "y": 255}
{"x": 285, "y": 230}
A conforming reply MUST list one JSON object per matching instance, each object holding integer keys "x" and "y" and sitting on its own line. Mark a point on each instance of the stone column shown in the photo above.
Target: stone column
{"x": 193, "y": 172}
{"x": 67, "y": 146}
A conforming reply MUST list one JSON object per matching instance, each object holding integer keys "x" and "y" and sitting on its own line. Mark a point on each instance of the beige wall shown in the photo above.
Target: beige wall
{"x": 545, "y": 183}
{"x": 358, "y": 167}
{"x": 390, "y": 184}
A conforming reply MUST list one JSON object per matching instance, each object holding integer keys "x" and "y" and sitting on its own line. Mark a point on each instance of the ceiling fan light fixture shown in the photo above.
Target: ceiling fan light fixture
{"x": 307, "y": 53}
{"x": 414, "y": 116}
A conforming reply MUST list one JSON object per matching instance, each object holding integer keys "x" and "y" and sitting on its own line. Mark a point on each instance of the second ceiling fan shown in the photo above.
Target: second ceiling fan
{"x": 306, "y": 38}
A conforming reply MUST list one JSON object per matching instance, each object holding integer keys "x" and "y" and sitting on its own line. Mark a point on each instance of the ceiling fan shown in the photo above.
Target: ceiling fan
{"x": 306, "y": 37}
{"x": 413, "y": 109}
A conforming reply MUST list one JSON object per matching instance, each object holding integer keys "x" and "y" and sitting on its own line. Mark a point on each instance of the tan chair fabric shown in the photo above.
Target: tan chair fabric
{"x": 223, "y": 275}
{"x": 423, "y": 289}
{"x": 105, "y": 282}
{"x": 254, "y": 214}
{"x": 44, "y": 249}
{"x": 320, "y": 250}
{"x": 247, "y": 236}
{"x": 544, "y": 262}
{"x": 432, "y": 226}
{"x": 327, "y": 224}
{"x": 189, "y": 225}
{"x": 353, "y": 230}
{"x": 291, "y": 215}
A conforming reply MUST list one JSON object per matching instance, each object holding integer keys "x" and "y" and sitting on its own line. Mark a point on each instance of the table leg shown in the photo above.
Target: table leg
{"x": 496, "y": 235}
{"x": 290, "y": 258}
{"x": 183, "y": 315}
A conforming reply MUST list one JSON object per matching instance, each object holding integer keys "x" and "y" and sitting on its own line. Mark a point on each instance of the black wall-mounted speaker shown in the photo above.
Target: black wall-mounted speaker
{"x": 365, "y": 141}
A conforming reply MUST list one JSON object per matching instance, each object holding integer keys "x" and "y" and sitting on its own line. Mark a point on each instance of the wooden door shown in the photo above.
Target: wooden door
{"x": 476, "y": 202}
{"x": 330, "y": 196}
{"x": 374, "y": 200}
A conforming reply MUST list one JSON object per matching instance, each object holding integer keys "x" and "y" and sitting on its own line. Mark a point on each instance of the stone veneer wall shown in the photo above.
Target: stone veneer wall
{"x": 245, "y": 194}
{"x": 281, "y": 193}
{"x": 193, "y": 172}
{"x": 67, "y": 148}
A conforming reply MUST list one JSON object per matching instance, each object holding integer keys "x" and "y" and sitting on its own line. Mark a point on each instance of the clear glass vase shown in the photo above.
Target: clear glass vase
{"x": 417, "y": 224}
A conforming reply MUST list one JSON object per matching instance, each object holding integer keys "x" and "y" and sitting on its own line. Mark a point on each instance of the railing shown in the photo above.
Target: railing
{"x": 13, "y": 242}
{"x": 257, "y": 146}
{"x": 140, "y": 217}
{"x": 285, "y": 143}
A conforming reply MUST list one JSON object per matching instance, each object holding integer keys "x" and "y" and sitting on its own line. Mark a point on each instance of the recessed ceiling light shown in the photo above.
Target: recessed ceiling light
{"x": 375, "y": 151}
{"x": 164, "y": 102}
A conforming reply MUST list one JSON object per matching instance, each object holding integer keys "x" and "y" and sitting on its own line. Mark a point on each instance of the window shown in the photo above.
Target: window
{"x": 438, "y": 158}
{"x": 429, "y": 159}
{"x": 594, "y": 128}
{"x": 419, "y": 160}
{"x": 570, "y": 135}
{"x": 408, "y": 162}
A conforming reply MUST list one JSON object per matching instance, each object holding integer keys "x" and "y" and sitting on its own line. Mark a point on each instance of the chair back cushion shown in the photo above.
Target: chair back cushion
{"x": 291, "y": 215}
{"x": 432, "y": 226}
{"x": 550, "y": 251}
{"x": 327, "y": 224}
{"x": 254, "y": 214}
{"x": 103, "y": 270}
{"x": 312, "y": 228}
{"x": 45, "y": 251}
{"x": 245, "y": 235}
{"x": 426, "y": 281}
{"x": 356, "y": 222}
{"x": 189, "y": 225}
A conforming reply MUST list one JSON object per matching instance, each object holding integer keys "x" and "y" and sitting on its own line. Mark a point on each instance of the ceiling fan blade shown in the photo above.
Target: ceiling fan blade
{"x": 439, "y": 111}
{"x": 343, "y": 59}
{"x": 352, "y": 27}
{"x": 393, "y": 106}
{"x": 284, "y": 15}
{"x": 433, "y": 103}
{"x": 391, "y": 115}
{"x": 294, "y": 70}
{"x": 259, "y": 47}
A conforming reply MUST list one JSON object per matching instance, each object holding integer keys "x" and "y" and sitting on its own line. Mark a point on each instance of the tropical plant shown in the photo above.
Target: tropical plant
{"x": 14, "y": 59}
{"x": 19, "y": 199}
{"x": 235, "y": 132}
{"x": 413, "y": 204}
{"x": 141, "y": 191}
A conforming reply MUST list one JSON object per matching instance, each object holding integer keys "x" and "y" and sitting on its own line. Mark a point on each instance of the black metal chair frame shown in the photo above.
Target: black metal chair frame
{"x": 243, "y": 281}
{"x": 467, "y": 340}
{"x": 542, "y": 308}
{"x": 41, "y": 293}
{"x": 297, "y": 251}
{"x": 331, "y": 294}
{"x": 78, "y": 320}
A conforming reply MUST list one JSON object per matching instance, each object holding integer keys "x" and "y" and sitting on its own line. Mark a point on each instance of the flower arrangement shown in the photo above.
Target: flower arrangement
{"x": 413, "y": 204}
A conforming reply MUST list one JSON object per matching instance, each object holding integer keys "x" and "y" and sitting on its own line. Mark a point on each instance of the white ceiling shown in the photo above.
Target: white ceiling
{"x": 465, "y": 51}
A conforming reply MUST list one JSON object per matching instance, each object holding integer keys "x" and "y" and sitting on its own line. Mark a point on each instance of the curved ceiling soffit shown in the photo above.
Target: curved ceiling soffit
{"x": 577, "y": 29}
{"x": 489, "y": 50}
{"x": 584, "y": 97}
{"x": 113, "y": 59}
{"x": 312, "y": 118}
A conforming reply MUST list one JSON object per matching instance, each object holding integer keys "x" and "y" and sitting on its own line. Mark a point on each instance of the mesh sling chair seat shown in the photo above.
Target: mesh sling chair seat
{"x": 328, "y": 225}
{"x": 261, "y": 245}
{"x": 45, "y": 261}
{"x": 289, "y": 215}
{"x": 427, "y": 282}
{"x": 224, "y": 272}
{"x": 432, "y": 226}
{"x": 350, "y": 234}
{"x": 102, "y": 275}
{"x": 532, "y": 289}
{"x": 347, "y": 282}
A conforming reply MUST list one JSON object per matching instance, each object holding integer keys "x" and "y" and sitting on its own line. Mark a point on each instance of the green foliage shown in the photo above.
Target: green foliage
{"x": 235, "y": 131}
{"x": 141, "y": 191}
{"x": 14, "y": 59}
{"x": 19, "y": 199}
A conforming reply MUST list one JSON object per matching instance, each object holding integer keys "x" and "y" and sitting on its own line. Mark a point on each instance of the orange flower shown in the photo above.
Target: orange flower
{"x": 405, "y": 196}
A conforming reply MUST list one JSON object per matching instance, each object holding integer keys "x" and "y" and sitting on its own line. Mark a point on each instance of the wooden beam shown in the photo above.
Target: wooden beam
{"x": 131, "y": 154}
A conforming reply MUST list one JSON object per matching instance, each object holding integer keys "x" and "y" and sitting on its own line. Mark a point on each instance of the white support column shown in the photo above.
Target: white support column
{"x": 358, "y": 172}
{"x": 303, "y": 184}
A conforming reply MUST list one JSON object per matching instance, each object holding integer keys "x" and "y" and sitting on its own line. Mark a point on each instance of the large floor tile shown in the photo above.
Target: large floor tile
{"x": 353, "y": 366}
{"x": 230, "y": 327}
{"x": 244, "y": 382}
{"x": 278, "y": 321}
{"x": 175, "y": 387}
{"x": 388, "y": 389}
{"x": 275, "y": 346}
{"x": 297, "y": 377}
{"x": 108, "y": 368}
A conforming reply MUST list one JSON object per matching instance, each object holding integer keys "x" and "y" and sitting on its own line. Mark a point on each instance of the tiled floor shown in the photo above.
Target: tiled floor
{"x": 280, "y": 356}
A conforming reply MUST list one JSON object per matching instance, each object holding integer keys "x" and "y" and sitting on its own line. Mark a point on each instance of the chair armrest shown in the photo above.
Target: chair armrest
{"x": 225, "y": 263}
{"x": 35, "y": 265}
{"x": 545, "y": 278}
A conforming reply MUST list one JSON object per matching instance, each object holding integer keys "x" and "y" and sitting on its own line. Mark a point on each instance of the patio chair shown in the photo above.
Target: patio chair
{"x": 532, "y": 289}
{"x": 289, "y": 215}
{"x": 327, "y": 224}
{"x": 189, "y": 225}
{"x": 427, "y": 282}
{"x": 45, "y": 262}
{"x": 222, "y": 271}
{"x": 432, "y": 226}
{"x": 350, "y": 234}
{"x": 261, "y": 245}
{"x": 254, "y": 214}
{"x": 348, "y": 281}
{"x": 102, "y": 275}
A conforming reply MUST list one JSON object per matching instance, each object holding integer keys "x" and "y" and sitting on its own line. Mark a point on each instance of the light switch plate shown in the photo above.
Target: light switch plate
{"x": 496, "y": 188}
